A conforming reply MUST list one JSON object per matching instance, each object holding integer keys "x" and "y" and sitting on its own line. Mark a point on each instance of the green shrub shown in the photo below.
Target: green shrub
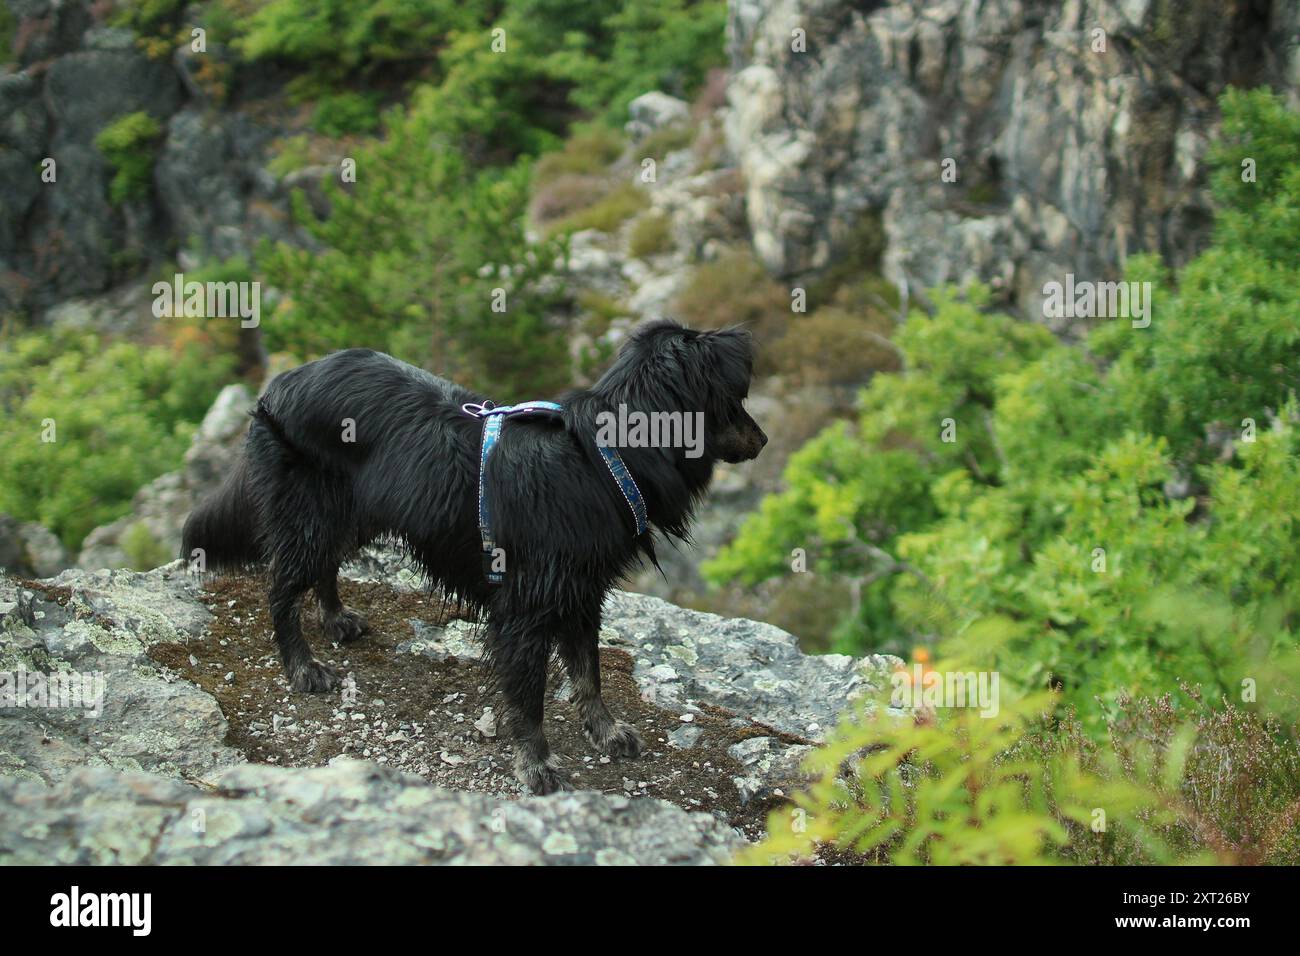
{"x": 667, "y": 140}
{"x": 129, "y": 144}
{"x": 836, "y": 345}
{"x": 120, "y": 415}
{"x": 412, "y": 261}
{"x": 335, "y": 35}
{"x": 961, "y": 785}
{"x": 566, "y": 195}
{"x": 340, "y": 114}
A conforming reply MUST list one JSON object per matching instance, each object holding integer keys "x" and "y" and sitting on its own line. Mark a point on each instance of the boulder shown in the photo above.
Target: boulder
{"x": 128, "y": 716}
{"x": 654, "y": 111}
{"x": 29, "y": 549}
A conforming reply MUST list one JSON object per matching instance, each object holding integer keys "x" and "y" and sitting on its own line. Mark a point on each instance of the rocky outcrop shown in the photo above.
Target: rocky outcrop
{"x": 142, "y": 770}
{"x": 683, "y": 657}
{"x": 349, "y": 813}
{"x": 122, "y": 713}
{"x": 60, "y": 236}
{"x": 1075, "y": 131}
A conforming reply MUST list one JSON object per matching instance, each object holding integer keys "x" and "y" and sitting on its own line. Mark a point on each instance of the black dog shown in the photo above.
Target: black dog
{"x": 359, "y": 445}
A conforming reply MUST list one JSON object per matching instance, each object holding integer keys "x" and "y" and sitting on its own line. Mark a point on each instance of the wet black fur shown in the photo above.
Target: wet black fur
{"x": 301, "y": 500}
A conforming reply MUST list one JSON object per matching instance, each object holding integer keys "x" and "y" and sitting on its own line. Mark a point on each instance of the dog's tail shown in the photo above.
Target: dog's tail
{"x": 221, "y": 534}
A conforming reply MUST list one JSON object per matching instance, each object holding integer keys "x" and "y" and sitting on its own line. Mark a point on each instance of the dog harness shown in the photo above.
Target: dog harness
{"x": 494, "y": 417}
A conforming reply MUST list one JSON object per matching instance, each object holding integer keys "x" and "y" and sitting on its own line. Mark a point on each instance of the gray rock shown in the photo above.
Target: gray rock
{"x": 48, "y": 27}
{"x": 456, "y": 639}
{"x": 213, "y": 197}
{"x": 1067, "y": 159}
{"x": 23, "y": 127}
{"x": 351, "y": 812}
{"x": 769, "y": 763}
{"x": 685, "y": 737}
{"x": 128, "y": 716}
{"x": 751, "y": 668}
{"x": 29, "y": 549}
{"x": 123, "y": 775}
{"x": 653, "y": 111}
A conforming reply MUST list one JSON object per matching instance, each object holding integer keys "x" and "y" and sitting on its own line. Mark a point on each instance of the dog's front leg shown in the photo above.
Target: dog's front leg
{"x": 518, "y": 654}
{"x": 580, "y": 650}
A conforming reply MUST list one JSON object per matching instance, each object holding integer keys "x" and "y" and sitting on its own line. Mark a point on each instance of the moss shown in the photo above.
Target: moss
{"x": 129, "y": 144}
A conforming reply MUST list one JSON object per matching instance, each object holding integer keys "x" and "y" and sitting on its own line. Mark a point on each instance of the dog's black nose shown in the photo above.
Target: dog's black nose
{"x": 762, "y": 440}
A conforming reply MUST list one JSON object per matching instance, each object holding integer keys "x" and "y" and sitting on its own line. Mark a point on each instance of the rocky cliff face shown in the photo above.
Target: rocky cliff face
{"x": 61, "y": 238}
{"x": 164, "y": 758}
{"x": 1075, "y": 130}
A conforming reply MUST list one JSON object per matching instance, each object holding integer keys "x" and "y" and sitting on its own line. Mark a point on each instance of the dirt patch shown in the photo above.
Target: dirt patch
{"x": 418, "y": 714}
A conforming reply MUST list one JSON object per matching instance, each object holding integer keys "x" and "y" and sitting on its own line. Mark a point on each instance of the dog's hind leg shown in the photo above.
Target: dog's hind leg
{"x": 301, "y": 548}
{"x": 341, "y": 625}
{"x": 519, "y": 652}
{"x": 580, "y": 649}
{"x": 289, "y": 582}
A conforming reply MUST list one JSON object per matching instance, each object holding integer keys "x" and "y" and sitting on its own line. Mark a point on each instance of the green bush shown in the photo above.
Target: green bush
{"x": 666, "y": 140}
{"x": 340, "y": 114}
{"x": 413, "y": 259}
{"x": 1017, "y": 784}
{"x": 144, "y": 552}
{"x": 588, "y": 152}
{"x": 735, "y": 289}
{"x": 129, "y": 144}
{"x": 119, "y": 416}
{"x": 338, "y": 36}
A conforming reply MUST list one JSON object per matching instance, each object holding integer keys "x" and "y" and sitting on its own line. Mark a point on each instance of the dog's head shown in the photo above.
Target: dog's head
{"x": 673, "y": 369}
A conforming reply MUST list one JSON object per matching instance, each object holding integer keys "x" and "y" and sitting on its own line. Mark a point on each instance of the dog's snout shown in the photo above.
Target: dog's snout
{"x": 762, "y": 439}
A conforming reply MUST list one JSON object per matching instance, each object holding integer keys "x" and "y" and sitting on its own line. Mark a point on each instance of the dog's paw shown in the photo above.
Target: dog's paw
{"x": 313, "y": 677}
{"x": 616, "y": 739}
{"x": 540, "y": 776}
{"x": 345, "y": 627}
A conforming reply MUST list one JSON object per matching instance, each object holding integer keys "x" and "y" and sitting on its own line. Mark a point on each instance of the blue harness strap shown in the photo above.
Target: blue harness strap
{"x": 494, "y": 417}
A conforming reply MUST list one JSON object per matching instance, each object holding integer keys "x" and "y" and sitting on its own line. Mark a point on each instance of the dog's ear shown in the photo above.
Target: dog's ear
{"x": 732, "y": 353}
